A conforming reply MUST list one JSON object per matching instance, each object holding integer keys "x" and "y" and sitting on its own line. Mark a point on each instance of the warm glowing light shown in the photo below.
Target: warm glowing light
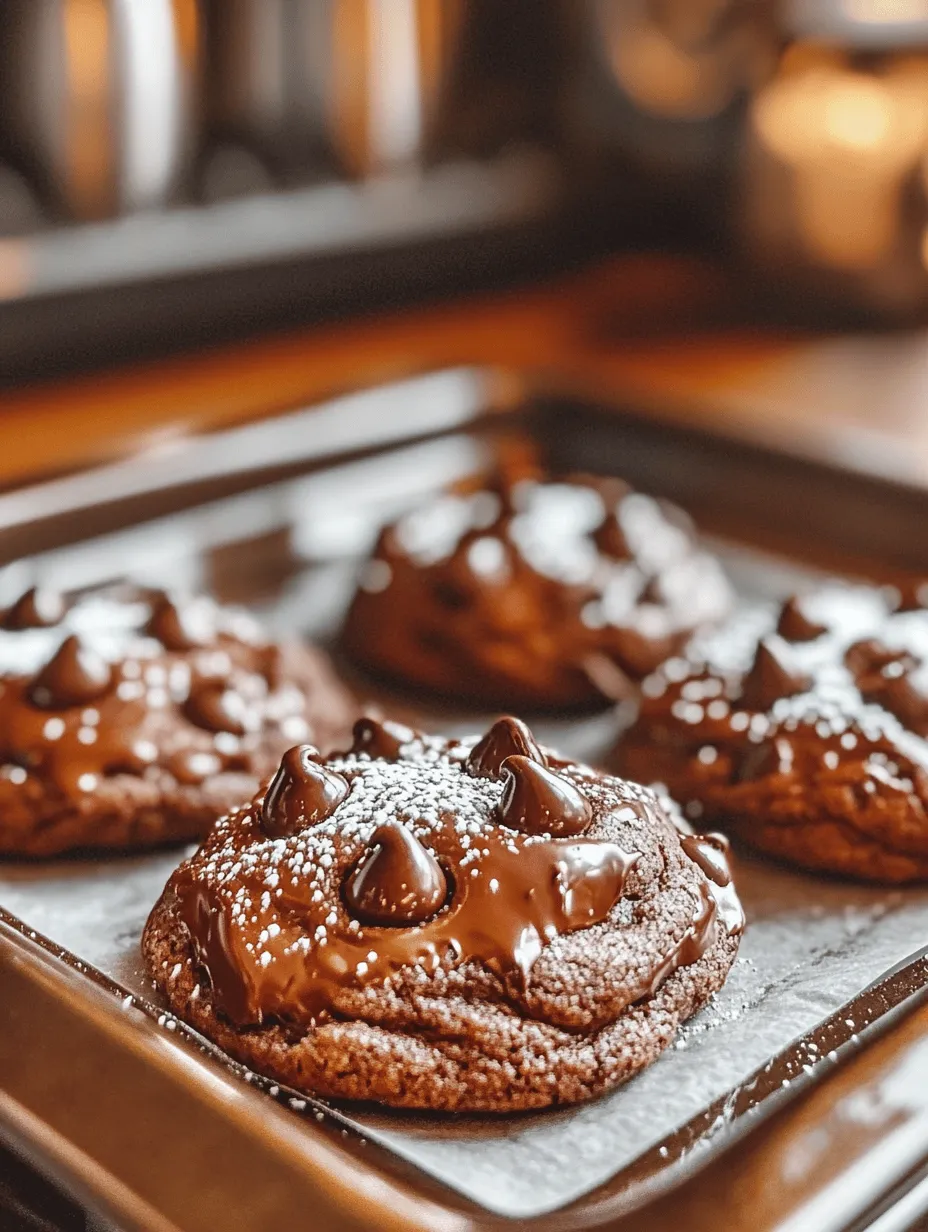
{"x": 845, "y": 142}
{"x": 389, "y": 67}
{"x": 661, "y": 77}
{"x": 884, "y": 11}
{"x": 857, "y": 113}
{"x": 89, "y": 138}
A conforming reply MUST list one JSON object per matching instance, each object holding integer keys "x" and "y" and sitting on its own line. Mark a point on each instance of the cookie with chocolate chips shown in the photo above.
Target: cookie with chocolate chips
{"x": 534, "y": 595}
{"x": 129, "y": 719}
{"x": 471, "y": 925}
{"x": 804, "y": 731}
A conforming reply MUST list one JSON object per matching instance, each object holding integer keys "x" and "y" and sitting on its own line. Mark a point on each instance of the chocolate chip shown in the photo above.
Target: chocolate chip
{"x": 634, "y": 651}
{"x": 192, "y": 767}
{"x": 535, "y": 800}
{"x": 894, "y": 679}
{"x": 770, "y": 678}
{"x": 397, "y": 882}
{"x": 795, "y": 626}
{"x": 610, "y": 539}
{"x": 653, "y": 592}
{"x": 507, "y": 737}
{"x": 710, "y": 852}
{"x": 74, "y": 676}
{"x": 873, "y": 663}
{"x": 380, "y": 738}
{"x": 769, "y": 757}
{"x": 38, "y": 608}
{"x": 215, "y": 707}
{"x": 174, "y": 626}
{"x": 302, "y": 793}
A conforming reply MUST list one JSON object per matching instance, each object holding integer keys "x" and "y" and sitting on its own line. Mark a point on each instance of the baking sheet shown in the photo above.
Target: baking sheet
{"x": 810, "y": 947}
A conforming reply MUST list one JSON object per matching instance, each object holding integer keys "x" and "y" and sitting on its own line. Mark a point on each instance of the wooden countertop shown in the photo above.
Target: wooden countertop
{"x": 862, "y": 400}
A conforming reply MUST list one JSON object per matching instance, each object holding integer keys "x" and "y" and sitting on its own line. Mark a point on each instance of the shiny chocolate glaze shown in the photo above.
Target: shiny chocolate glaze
{"x": 418, "y": 867}
{"x": 719, "y": 908}
{"x": 516, "y": 594}
{"x": 823, "y": 724}
{"x": 37, "y": 608}
{"x": 98, "y": 694}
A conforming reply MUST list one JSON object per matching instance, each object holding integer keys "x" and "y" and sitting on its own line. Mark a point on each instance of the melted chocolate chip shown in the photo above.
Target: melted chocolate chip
{"x": 508, "y": 737}
{"x": 74, "y": 676}
{"x": 380, "y": 738}
{"x": 907, "y": 698}
{"x": 398, "y": 883}
{"x": 769, "y": 679}
{"x": 698, "y": 938}
{"x": 894, "y": 679}
{"x": 795, "y": 626}
{"x": 174, "y": 627}
{"x": 535, "y": 800}
{"x": 38, "y": 608}
{"x": 652, "y": 592}
{"x": 873, "y": 663}
{"x": 768, "y": 757}
{"x": 511, "y": 900}
{"x": 215, "y": 707}
{"x": 193, "y": 768}
{"x": 302, "y": 793}
{"x": 710, "y": 852}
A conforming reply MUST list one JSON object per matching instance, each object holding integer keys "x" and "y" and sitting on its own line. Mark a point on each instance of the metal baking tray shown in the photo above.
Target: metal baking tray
{"x": 147, "y": 1123}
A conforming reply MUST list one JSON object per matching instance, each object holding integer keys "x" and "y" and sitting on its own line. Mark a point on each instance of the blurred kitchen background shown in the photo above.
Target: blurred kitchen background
{"x": 708, "y": 214}
{"x": 175, "y": 172}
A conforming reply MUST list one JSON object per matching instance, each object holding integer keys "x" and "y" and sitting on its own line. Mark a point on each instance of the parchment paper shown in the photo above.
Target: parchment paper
{"x": 811, "y": 944}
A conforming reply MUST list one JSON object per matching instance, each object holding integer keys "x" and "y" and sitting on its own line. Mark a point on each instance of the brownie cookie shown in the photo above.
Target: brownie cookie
{"x": 533, "y": 595}
{"x": 456, "y": 926}
{"x": 804, "y": 731}
{"x": 128, "y": 720}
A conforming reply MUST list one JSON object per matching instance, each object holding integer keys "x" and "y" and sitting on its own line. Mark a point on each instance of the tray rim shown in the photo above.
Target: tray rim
{"x": 9, "y": 924}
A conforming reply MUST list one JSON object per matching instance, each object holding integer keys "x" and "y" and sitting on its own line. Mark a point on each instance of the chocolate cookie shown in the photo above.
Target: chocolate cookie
{"x": 804, "y": 731}
{"x": 533, "y": 595}
{"x": 457, "y": 926}
{"x": 127, "y": 719}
